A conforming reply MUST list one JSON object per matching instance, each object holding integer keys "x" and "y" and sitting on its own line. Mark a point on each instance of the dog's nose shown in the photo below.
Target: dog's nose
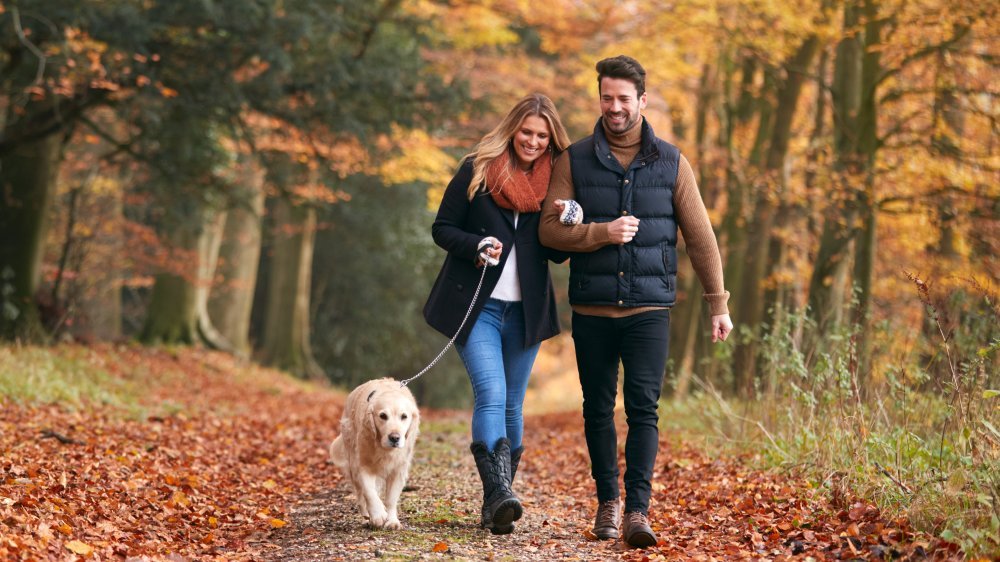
{"x": 394, "y": 439}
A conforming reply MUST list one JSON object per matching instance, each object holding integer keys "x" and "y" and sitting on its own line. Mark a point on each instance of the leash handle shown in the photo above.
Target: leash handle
{"x": 488, "y": 262}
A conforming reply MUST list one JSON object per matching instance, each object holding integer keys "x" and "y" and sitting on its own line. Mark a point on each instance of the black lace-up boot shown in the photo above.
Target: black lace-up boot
{"x": 500, "y": 506}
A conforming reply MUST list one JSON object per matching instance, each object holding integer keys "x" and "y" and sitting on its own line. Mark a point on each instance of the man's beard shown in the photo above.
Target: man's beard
{"x": 630, "y": 122}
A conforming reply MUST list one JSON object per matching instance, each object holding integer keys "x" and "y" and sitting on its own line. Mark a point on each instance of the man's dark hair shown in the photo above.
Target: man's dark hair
{"x": 624, "y": 67}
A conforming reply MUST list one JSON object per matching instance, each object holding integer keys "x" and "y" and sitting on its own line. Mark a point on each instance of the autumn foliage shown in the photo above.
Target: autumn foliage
{"x": 202, "y": 465}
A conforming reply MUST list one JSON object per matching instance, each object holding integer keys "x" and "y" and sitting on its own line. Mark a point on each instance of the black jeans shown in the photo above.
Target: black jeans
{"x": 640, "y": 343}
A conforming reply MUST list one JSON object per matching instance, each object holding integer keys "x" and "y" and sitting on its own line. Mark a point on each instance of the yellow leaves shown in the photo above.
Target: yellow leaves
{"x": 477, "y": 25}
{"x": 79, "y": 547}
{"x": 416, "y": 158}
{"x": 179, "y": 499}
{"x": 277, "y": 523}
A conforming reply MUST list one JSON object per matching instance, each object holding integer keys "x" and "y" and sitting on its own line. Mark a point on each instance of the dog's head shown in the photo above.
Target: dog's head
{"x": 394, "y": 418}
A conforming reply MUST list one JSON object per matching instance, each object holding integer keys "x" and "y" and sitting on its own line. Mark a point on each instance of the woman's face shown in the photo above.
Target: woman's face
{"x": 530, "y": 140}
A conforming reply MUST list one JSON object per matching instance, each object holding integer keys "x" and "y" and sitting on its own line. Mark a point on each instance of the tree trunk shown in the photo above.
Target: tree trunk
{"x": 286, "y": 337}
{"x": 685, "y": 318}
{"x": 231, "y": 301}
{"x": 208, "y": 258}
{"x": 827, "y": 286}
{"x": 27, "y": 187}
{"x": 172, "y": 316}
{"x": 688, "y": 327}
{"x": 758, "y": 263}
{"x": 866, "y": 242}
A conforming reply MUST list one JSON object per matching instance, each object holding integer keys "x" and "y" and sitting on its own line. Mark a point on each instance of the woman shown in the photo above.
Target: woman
{"x": 492, "y": 206}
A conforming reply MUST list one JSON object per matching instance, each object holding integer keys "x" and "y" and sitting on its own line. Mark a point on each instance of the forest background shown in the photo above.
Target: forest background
{"x": 260, "y": 176}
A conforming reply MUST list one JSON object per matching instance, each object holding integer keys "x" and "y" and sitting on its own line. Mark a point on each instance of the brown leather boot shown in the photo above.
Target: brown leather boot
{"x": 609, "y": 517}
{"x": 635, "y": 527}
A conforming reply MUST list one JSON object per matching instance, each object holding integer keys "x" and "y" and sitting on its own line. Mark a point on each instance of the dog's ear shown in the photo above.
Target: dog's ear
{"x": 414, "y": 430}
{"x": 371, "y": 423}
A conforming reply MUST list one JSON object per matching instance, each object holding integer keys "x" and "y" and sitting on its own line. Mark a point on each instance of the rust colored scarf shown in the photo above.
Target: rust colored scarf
{"x": 513, "y": 188}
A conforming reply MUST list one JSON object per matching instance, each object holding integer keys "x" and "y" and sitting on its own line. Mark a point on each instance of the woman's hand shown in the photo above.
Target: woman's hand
{"x": 491, "y": 247}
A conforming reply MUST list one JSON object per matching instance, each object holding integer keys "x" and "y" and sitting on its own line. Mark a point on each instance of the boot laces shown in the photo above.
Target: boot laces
{"x": 607, "y": 513}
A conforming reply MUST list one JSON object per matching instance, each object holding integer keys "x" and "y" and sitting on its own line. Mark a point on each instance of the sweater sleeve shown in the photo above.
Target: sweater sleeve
{"x": 554, "y": 234}
{"x": 702, "y": 248}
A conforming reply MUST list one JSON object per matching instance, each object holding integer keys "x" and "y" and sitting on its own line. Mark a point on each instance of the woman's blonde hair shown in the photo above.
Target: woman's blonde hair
{"x": 494, "y": 143}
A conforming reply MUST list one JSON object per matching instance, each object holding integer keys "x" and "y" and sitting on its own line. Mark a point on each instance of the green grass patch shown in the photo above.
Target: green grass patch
{"x": 920, "y": 463}
{"x": 71, "y": 376}
{"x": 916, "y": 443}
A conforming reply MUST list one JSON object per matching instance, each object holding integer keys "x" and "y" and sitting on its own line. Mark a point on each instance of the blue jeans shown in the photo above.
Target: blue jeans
{"x": 499, "y": 366}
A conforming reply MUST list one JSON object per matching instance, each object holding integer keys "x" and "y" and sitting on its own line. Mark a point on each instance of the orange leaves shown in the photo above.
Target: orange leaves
{"x": 183, "y": 480}
{"x": 79, "y": 547}
{"x": 440, "y": 547}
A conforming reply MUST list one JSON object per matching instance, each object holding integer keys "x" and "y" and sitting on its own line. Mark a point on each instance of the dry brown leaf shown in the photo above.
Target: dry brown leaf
{"x": 79, "y": 547}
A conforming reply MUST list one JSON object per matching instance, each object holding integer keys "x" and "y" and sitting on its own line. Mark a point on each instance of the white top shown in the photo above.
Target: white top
{"x": 509, "y": 286}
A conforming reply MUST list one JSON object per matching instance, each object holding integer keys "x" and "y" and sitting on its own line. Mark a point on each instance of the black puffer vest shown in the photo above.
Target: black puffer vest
{"x": 644, "y": 271}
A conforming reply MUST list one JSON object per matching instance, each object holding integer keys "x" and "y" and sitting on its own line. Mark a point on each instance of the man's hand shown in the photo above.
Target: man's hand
{"x": 721, "y": 326}
{"x": 622, "y": 230}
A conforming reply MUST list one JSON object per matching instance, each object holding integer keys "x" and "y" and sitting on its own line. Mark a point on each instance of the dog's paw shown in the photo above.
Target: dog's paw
{"x": 393, "y": 523}
{"x": 378, "y": 519}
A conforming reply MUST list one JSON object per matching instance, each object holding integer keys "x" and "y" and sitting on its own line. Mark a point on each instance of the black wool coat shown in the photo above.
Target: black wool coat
{"x": 459, "y": 227}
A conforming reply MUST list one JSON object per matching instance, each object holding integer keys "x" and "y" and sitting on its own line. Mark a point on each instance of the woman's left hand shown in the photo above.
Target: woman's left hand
{"x": 493, "y": 251}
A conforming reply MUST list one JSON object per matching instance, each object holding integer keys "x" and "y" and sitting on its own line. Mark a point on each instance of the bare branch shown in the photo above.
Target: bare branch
{"x": 15, "y": 14}
{"x": 922, "y": 53}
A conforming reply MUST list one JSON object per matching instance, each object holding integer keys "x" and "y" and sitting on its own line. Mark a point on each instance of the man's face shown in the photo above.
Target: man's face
{"x": 620, "y": 104}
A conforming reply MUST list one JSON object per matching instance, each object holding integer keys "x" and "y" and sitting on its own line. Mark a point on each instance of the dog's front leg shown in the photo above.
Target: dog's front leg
{"x": 377, "y": 515}
{"x": 393, "y": 488}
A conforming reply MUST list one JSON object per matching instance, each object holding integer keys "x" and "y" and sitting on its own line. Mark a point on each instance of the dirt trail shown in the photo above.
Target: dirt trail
{"x": 440, "y": 509}
{"x": 702, "y": 509}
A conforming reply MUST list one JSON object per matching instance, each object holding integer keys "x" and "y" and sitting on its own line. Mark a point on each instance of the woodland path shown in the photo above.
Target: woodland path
{"x": 704, "y": 509}
{"x": 216, "y": 459}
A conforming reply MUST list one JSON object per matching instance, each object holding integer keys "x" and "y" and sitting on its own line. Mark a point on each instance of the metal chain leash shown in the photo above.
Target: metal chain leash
{"x": 468, "y": 313}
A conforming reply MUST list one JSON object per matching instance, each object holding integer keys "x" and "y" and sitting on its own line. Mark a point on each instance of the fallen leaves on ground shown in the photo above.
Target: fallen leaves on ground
{"x": 213, "y": 468}
{"x": 717, "y": 509}
{"x": 205, "y": 481}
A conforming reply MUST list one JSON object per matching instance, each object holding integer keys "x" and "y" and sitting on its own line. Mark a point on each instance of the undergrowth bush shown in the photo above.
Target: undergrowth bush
{"x": 920, "y": 438}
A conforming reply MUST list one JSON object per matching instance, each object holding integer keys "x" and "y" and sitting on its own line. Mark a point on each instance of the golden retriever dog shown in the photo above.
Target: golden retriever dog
{"x": 375, "y": 447}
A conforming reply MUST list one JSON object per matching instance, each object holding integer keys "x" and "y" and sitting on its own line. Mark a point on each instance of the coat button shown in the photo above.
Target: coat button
{"x": 621, "y": 274}
{"x": 460, "y": 287}
{"x": 620, "y": 303}
{"x": 483, "y": 230}
{"x": 624, "y": 213}
{"x": 626, "y": 182}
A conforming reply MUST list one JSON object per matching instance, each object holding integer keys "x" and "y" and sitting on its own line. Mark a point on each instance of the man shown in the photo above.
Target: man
{"x": 635, "y": 191}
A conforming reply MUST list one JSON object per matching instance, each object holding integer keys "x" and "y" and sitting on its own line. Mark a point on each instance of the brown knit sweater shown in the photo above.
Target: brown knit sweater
{"x": 689, "y": 209}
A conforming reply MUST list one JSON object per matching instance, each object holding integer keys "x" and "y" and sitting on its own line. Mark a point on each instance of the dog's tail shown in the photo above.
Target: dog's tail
{"x": 338, "y": 455}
